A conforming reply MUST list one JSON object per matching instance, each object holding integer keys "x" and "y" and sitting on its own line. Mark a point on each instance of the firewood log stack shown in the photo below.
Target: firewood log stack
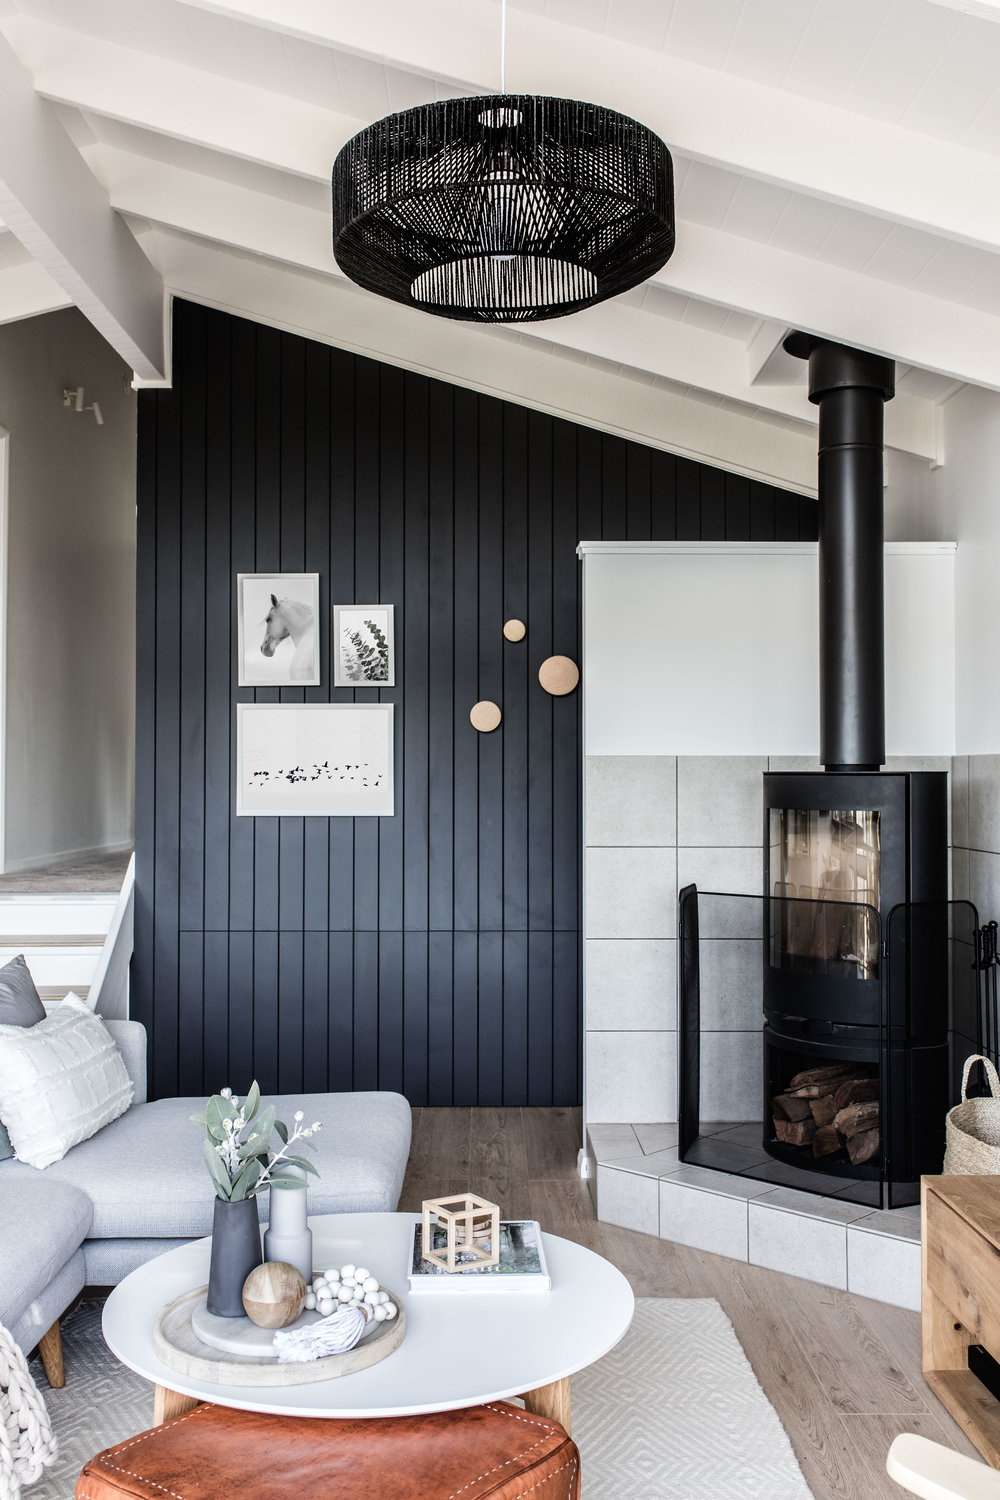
{"x": 830, "y": 1109}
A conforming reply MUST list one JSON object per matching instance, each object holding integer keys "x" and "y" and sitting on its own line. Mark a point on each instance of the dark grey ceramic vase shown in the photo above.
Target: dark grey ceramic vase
{"x": 235, "y": 1253}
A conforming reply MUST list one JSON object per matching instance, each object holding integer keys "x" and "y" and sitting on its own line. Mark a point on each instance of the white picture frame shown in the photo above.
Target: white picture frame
{"x": 357, "y": 649}
{"x": 314, "y": 760}
{"x": 280, "y": 610}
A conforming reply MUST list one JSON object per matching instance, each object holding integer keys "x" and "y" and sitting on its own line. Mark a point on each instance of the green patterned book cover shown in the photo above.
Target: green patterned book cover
{"x": 521, "y": 1267}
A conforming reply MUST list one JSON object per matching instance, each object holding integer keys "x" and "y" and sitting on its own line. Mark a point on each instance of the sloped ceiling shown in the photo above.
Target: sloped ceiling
{"x": 837, "y": 164}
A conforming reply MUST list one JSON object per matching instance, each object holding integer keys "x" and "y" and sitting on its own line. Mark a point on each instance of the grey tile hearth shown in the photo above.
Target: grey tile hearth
{"x": 639, "y": 1183}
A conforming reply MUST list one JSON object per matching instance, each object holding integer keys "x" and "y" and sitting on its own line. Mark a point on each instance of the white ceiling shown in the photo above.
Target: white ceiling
{"x": 837, "y": 167}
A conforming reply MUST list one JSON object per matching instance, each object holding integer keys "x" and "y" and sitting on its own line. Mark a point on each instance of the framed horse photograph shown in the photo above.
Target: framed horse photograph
{"x": 278, "y": 640}
{"x": 314, "y": 760}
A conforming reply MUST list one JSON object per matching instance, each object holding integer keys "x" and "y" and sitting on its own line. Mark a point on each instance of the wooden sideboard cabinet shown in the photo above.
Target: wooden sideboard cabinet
{"x": 960, "y": 1299}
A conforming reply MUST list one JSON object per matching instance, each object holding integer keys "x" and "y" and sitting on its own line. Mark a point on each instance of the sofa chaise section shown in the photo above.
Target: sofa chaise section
{"x": 139, "y": 1187}
{"x": 42, "y": 1266}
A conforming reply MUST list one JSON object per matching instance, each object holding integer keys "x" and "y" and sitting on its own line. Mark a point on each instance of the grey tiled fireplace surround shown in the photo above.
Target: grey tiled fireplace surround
{"x": 652, "y": 825}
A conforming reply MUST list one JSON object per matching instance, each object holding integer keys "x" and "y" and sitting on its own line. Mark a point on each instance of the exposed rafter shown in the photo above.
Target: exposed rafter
{"x": 618, "y": 333}
{"x": 265, "y": 127}
{"x": 499, "y": 362}
{"x": 27, "y": 290}
{"x": 198, "y": 126}
{"x": 760, "y": 131}
{"x": 986, "y": 10}
{"x": 53, "y": 204}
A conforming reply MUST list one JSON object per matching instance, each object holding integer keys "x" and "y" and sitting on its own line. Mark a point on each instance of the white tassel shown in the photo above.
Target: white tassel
{"x": 333, "y": 1335}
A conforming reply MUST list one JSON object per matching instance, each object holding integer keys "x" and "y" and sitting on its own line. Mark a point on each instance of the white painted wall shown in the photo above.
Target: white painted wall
{"x": 713, "y": 648}
{"x": 969, "y": 485}
{"x": 70, "y": 698}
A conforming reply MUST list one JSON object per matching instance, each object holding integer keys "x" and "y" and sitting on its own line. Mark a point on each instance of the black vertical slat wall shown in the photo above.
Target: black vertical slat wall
{"x": 435, "y": 952}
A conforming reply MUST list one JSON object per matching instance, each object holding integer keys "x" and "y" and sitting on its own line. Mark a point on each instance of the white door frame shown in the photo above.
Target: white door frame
{"x": 4, "y": 511}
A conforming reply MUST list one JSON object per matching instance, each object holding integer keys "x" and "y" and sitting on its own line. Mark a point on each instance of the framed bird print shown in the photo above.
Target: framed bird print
{"x": 314, "y": 760}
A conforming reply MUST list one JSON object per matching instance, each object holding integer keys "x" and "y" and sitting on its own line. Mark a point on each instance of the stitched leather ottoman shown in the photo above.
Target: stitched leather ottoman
{"x": 214, "y": 1453}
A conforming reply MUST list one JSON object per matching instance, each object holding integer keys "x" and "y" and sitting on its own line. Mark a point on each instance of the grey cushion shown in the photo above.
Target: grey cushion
{"x": 43, "y": 1225}
{"x": 146, "y": 1177}
{"x": 19, "y": 1000}
{"x": 20, "y": 1005}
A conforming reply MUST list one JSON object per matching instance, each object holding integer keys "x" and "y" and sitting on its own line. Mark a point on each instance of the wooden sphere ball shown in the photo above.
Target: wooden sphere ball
{"x": 515, "y": 630}
{"x": 274, "y": 1294}
{"x": 485, "y": 716}
{"x": 559, "y": 675}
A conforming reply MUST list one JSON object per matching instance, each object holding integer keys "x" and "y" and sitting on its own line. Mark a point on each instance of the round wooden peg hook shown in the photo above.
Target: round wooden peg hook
{"x": 515, "y": 630}
{"x": 559, "y": 675}
{"x": 485, "y": 716}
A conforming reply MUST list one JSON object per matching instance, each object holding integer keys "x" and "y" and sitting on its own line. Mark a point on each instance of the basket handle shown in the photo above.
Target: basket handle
{"x": 992, "y": 1077}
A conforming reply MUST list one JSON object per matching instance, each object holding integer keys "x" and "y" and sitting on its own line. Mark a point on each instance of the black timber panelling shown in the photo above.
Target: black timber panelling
{"x": 435, "y": 952}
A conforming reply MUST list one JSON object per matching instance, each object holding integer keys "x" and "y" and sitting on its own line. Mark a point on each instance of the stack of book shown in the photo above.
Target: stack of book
{"x": 521, "y": 1267}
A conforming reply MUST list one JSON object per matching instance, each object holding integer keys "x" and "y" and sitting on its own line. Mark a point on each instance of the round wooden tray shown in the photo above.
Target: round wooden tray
{"x": 179, "y": 1346}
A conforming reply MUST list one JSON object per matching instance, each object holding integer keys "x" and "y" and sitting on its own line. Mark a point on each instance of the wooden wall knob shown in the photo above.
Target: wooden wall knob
{"x": 515, "y": 630}
{"x": 485, "y": 716}
{"x": 559, "y": 675}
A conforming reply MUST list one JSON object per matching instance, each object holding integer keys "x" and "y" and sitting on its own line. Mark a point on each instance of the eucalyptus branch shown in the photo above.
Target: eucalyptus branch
{"x": 237, "y": 1145}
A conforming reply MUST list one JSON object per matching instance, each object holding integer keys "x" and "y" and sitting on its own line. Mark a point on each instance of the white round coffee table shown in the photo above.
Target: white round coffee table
{"x": 461, "y": 1348}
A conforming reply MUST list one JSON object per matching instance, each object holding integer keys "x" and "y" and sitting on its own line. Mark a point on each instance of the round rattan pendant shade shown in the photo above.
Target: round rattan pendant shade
{"x": 503, "y": 209}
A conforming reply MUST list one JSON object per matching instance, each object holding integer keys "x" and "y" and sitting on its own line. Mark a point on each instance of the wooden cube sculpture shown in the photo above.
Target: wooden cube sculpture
{"x": 469, "y": 1223}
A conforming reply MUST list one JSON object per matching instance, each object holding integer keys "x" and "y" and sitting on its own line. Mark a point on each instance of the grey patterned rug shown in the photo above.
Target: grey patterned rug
{"x": 675, "y": 1412}
{"x": 101, "y": 1403}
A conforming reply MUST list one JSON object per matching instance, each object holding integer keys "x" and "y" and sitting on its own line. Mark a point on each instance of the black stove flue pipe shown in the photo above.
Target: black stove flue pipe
{"x": 850, "y": 388}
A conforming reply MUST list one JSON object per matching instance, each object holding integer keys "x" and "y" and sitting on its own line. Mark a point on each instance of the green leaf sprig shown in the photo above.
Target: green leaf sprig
{"x": 237, "y": 1146}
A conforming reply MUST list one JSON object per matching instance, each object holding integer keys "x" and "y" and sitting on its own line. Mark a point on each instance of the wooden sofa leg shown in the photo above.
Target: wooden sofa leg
{"x": 50, "y": 1348}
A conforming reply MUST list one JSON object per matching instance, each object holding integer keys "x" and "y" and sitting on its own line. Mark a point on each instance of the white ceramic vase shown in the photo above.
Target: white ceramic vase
{"x": 288, "y": 1236}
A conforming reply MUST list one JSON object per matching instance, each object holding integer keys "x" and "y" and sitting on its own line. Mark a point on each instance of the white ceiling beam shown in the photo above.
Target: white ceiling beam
{"x": 616, "y": 332}
{"x": 984, "y": 10}
{"x": 53, "y": 204}
{"x": 27, "y": 290}
{"x": 748, "y": 275}
{"x": 713, "y": 116}
{"x": 180, "y": 101}
{"x": 761, "y": 350}
{"x": 497, "y": 362}
{"x": 850, "y": 308}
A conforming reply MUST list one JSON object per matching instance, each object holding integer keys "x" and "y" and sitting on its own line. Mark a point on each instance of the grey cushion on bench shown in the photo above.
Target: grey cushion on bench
{"x": 43, "y": 1225}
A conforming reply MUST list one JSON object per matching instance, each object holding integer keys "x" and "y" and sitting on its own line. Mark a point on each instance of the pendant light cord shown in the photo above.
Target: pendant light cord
{"x": 503, "y": 46}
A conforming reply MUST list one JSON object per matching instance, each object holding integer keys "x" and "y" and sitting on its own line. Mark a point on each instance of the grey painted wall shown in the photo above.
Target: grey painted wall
{"x": 70, "y": 699}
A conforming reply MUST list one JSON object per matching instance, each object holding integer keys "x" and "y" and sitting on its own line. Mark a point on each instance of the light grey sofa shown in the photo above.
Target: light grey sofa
{"x": 140, "y": 1186}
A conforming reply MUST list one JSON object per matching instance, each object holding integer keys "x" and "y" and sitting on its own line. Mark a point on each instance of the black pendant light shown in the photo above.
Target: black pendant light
{"x": 505, "y": 208}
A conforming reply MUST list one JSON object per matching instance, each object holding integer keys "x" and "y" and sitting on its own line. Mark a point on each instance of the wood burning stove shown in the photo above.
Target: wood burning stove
{"x": 842, "y": 853}
{"x": 858, "y": 935}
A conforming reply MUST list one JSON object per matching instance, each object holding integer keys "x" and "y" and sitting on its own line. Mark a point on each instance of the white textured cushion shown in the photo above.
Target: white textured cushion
{"x": 60, "y": 1082}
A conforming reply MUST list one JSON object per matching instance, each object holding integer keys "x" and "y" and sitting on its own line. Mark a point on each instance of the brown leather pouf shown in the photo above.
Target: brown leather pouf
{"x": 214, "y": 1453}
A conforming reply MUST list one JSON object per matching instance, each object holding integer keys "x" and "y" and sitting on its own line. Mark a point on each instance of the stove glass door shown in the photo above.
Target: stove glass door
{"x": 828, "y": 857}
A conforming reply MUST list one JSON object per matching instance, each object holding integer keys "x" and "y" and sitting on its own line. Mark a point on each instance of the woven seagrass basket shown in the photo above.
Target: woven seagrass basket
{"x": 972, "y": 1128}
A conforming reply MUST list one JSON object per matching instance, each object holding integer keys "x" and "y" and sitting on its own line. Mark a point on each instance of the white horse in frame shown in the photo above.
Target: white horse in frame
{"x": 289, "y": 620}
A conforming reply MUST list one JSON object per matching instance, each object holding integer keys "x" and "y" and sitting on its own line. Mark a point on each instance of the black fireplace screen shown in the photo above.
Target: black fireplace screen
{"x": 839, "y": 1083}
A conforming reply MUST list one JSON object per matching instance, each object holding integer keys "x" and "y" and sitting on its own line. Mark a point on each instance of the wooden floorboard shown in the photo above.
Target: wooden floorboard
{"x": 843, "y": 1372}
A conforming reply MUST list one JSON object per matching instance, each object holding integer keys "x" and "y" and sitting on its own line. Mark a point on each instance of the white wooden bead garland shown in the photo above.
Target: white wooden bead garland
{"x": 347, "y": 1300}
